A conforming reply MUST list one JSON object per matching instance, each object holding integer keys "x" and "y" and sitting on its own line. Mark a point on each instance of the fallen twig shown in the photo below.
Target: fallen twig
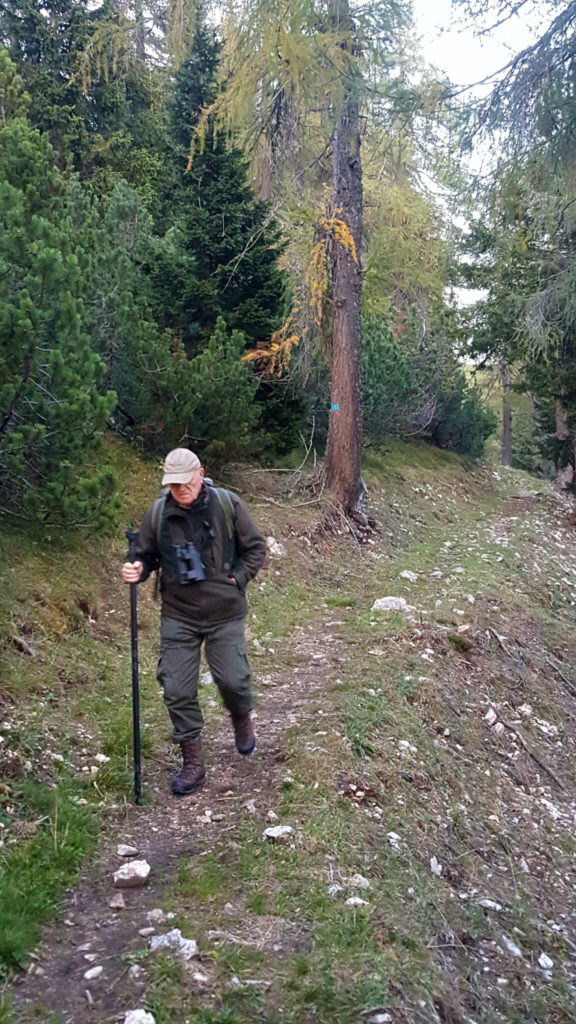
{"x": 549, "y": 771}
{"x": 24, "y": 646}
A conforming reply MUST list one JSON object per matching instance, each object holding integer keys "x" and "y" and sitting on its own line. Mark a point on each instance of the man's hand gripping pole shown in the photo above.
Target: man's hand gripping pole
{"x": 132, "y": 538}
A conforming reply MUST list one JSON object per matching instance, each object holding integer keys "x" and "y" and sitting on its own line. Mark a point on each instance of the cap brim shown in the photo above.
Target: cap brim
{"x": 177, "y": 478}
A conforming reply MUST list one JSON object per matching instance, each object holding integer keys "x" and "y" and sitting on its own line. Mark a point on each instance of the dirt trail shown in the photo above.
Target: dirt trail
{"x": 495, "y": 711}
{"x": 167, "y": 831}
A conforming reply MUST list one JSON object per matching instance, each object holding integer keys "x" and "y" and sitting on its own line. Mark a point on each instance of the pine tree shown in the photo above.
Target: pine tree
{"x": 52, "y": 405}
{"x": 223, "y": 260}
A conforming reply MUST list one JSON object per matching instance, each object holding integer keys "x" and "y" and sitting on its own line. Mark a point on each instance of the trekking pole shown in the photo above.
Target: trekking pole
{"x": 132, "y": 537}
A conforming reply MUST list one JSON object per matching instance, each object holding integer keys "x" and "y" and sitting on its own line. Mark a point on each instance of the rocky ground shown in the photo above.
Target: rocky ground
{"x": 422, "y": 758}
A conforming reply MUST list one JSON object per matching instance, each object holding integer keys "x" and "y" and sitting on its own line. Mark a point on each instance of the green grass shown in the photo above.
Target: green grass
{"x": 33, "y": 873}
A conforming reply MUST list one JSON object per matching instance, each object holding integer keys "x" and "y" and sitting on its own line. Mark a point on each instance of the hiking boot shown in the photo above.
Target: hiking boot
{"x": 244, "y": 734}
{"x": 192, "y": 772}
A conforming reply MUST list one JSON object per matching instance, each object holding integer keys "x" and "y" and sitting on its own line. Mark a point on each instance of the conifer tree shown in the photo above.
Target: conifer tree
{"x": 52, "y": 405}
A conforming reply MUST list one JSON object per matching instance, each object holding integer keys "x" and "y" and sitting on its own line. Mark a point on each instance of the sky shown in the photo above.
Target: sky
{"x": 457, "y": 51}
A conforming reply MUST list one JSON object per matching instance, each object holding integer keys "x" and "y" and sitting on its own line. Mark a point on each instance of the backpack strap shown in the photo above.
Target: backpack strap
{"x": 227, "y": 507}
{"x": 157, "y": 512}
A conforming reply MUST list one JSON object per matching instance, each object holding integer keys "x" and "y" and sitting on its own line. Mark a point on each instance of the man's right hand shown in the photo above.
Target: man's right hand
{"x": 131, "y": 572}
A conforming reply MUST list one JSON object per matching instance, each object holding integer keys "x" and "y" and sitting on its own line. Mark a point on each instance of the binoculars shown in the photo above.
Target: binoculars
{"x": 190, "y": 567}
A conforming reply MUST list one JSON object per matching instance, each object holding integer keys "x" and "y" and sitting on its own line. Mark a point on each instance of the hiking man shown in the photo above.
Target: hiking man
{"x": 207, "y": 548}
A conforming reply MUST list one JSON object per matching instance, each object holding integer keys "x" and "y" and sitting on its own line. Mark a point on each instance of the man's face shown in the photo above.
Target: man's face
{"x": 185, "y": 494}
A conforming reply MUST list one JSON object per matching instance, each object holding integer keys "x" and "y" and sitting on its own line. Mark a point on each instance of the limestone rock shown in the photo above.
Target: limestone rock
{"x": 359, "y": 882}
{"x": 275, "y": 549}
{"x": 93, "y": 973}
{"x": 123, "y": 850}
{"x": 117, "y": 902}
{"x": 392, "y": 604}
{"x": 132, "y": 875}
{"x": 183, "y": 948}
{"x": 139, "y": 1017}
{"x": 278, "y": 834}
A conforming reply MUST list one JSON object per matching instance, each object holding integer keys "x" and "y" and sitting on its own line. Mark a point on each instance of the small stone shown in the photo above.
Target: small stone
{"x": 392, "y": 604}
{"x": 278, "y": 834}
{"x": 271, "y": 816}
{"x": 250, "y": 806}
{"x": 69, "y": 923}
{"x": 206, "y": 679}
{"x": 185, "y": 949}
{"x": 490, "y": 717}
{"x": 123, "y": 850}
{"x": 489, "y": 904}
{"x": 407, "y": 575}
{"x": 275, "y": 549}
{"x": 102, "y": 758}
{"x": 93, "y": 973}
{"x": 157, "y": 916}
{"x": 435, "y": 867}
{"x": 334, "y": 889}
{"x": 90, "y": 957}
{"x": 511, "y": 946}
{"x": 359, "y": 882}
{"x": 135, "y": 972}
{"x": 117, "y": 902}
{"x": 545, "y": 962}
{"x": 132, "y": 875}
{"x": 394, "y": 839}
{"x": 355, "y": 901}
{"x": 146, "y": 932}
{"x": 139, "y": 1017}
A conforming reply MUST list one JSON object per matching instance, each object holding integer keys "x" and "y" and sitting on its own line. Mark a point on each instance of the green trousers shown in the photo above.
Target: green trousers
{"x": 179, "y": 666}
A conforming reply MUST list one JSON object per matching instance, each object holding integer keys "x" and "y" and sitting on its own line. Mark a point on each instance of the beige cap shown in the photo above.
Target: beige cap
{"x": 179, "y": 466}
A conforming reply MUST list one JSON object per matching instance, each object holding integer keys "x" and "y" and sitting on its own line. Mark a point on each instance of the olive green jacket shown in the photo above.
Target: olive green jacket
{"x": 229, "y": 563}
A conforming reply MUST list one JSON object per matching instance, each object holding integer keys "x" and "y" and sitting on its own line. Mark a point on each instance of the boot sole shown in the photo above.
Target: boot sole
{"x": 187, "y": 790}
{"x": 247, "y": 750}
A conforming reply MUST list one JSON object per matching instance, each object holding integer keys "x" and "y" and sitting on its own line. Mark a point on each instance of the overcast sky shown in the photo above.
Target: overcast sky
{"x": 462, "y": 55}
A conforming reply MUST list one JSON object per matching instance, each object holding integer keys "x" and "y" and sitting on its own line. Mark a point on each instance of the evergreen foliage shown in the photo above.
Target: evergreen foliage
{"x": 52, "y": 403}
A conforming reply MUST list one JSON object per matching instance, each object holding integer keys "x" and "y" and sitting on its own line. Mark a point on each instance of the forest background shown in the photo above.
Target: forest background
{"x": 217, "y": 220}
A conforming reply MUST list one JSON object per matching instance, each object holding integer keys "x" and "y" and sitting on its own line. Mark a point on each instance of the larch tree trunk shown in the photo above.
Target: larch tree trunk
{"x": 506, "y": 449}
{"x": 564, "y": 465}
{"x": 343, "y": 472}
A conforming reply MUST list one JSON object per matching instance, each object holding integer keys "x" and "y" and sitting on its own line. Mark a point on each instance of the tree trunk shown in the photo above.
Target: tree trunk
{"x": 506, "y": 450}
{"x": 343, "y": 473}
{"x": 565, "y": 450}
{"x": 140, "y": 37}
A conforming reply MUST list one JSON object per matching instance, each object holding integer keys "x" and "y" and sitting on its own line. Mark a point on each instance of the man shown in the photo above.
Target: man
{"x": 207, "y": 548}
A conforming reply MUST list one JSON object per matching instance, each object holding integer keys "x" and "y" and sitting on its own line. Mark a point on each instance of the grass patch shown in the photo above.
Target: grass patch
{"x": 33, "y": 873}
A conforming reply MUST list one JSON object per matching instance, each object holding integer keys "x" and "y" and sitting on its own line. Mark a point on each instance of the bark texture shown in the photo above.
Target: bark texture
{"x": 506, "y": 450}
{"x": 343, "y": 474}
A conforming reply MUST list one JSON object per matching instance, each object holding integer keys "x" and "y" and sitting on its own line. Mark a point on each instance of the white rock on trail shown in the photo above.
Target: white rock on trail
{"x": 545, "y": 962}
{"x": 123, "y": 850}
{"x": 392, "y": 604}
{"x": 278, "y": 834}
{"x": 406, "y": 574}
{"x": 139, "y": 1017}
{"x": 355, "y": 901}
{"x": 93, "y": 973}
{"x": 158, "y": 916}
{"x": 184, "y": 949}
{"x": 275, "y": 549}
{"x": 117, "y": 902}
{"x": 394, "y": 839}
{"x": 132, "y": 875}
